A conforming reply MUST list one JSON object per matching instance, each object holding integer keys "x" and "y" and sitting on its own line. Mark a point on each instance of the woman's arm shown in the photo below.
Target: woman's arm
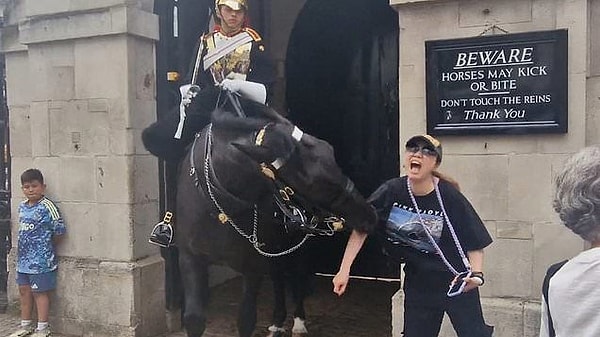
{"x": 355, "y": 243}
{"x": 476, "y": 260}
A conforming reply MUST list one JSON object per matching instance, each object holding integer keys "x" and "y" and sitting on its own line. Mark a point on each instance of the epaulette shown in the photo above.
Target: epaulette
{"x": 254, "y": 34}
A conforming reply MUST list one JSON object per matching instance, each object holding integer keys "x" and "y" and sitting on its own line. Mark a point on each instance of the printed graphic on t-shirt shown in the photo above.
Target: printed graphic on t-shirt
{"x": 404, "y": 227}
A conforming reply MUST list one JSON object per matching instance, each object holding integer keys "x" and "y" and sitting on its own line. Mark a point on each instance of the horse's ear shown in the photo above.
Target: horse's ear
{"x": 256, "y": 153}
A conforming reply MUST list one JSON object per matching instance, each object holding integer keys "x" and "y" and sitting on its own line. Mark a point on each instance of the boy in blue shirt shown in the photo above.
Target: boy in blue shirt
{"x": 40, "y": 226}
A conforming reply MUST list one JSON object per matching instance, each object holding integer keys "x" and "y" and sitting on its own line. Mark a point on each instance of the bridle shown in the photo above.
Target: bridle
{"x": 301, "y": 212}
{"x": 295, "y": 208}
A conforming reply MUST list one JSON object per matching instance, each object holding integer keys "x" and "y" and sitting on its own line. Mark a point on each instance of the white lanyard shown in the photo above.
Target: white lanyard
{"x": 450, "y": 227}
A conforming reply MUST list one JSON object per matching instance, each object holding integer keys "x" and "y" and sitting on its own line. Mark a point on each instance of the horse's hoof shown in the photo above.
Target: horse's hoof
{"x": 276, "y": 332}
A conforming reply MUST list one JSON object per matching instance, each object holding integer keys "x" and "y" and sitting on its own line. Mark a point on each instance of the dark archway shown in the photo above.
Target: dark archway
{"x": 342, "y": 86}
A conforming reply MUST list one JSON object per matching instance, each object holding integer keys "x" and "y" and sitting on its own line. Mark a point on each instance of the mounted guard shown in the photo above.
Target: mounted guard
{"x": 231, "y": 57}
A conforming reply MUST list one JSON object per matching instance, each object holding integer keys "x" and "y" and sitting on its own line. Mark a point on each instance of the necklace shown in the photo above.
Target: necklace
{"x": 439, "y": 251}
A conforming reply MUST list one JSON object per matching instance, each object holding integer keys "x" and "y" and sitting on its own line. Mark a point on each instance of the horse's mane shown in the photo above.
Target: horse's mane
{"x": 256, "y": 116}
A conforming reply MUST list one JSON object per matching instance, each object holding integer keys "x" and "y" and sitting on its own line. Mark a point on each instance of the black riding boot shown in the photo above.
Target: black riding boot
{"x": 162, "y": 233}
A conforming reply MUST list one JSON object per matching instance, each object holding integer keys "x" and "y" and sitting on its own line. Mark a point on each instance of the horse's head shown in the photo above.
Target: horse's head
{"x": 306, "y": 166}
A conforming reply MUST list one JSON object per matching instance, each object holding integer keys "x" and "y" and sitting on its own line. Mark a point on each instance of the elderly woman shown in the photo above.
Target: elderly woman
{"x": 573, "y": 296}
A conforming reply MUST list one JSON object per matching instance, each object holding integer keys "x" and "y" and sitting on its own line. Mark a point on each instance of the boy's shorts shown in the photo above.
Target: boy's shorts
{"x": 38, "y": 282}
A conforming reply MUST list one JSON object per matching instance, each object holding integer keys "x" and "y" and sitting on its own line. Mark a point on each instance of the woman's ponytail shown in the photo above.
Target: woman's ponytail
{"x": 447, "y": 179}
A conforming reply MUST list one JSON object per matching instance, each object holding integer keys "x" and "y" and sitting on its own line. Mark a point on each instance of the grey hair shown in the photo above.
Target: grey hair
{"x": 577, "y": 197}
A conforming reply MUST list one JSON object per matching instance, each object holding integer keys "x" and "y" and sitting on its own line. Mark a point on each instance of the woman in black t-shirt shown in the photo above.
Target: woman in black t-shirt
{"x": 426, "y": 222}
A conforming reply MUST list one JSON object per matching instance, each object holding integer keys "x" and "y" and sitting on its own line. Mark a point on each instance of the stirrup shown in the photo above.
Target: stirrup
{"x": 162, "y": 233}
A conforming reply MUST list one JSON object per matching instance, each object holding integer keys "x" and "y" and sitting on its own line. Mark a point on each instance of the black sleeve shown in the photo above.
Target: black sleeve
{"x": 262, "y": 68}
{"x": 466, "y": 222}
{"x": 382, "y": 200}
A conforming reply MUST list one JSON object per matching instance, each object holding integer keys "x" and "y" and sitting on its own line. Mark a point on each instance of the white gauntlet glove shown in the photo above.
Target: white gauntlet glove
{"x": 187, "y": 91}
{"x": 250, "y": 90}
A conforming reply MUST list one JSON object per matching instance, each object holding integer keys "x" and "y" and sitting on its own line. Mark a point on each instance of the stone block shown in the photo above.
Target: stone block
{"x": 77, "y": 174}
{"x": 592, "y": 120}
{"x": 39, "y": 8}
{"x": 142, "y": 66}
{"x": 81, "y": 220}
{"x": 150, "y": 296}
{"x": 53, "y": 70}
{"x": 143, "y": 113}
{"x": 514, "y": 230}
{"x": 20, "y": 131}
{"x": 18, "y": 77}
{"x": 531, "y": 318}
{"x": 40, "y": 140}
{"x": 113, "y": 179}
{"x": 88, "y": 23}
{"x": 413, "y": 74}
{"x": 110, "y": 298}
{"x": 481, "y": 13}
{"x": 506, "y": 315}
{"x": 509, "y": 265}
{"x": 9, "y": 39}
{"x": 145, "y": 179}
{"x": 77, "y": 132}
{"x": 100, "y": 67}
{"x": 145, "y": 216}
{"x": 143, "y": 23}
{"x": 414, "y": 18}
{"x": 101, "y": 231}
{"x": 594, "y": 38}
{"x": 115, "y": 223}
{"x": 483, "y": 180}
{"x": 573, "y": 15}
{"x": 413, "y": 120}
{"x": 138, "y": 145}
{"x": 529, "y": 186}
{"x": 121, "y": 141}
{"x": 553, "y": 242}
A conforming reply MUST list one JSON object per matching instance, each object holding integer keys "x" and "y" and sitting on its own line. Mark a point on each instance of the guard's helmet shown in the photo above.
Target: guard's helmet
{"x": 233, "y": 4}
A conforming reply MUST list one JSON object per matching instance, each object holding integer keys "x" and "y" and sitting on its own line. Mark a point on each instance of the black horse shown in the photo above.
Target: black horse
{"x": 234, "y": 172}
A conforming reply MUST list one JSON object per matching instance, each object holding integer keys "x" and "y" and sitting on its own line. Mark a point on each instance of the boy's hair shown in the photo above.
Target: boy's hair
{"x": 30, "y": 175}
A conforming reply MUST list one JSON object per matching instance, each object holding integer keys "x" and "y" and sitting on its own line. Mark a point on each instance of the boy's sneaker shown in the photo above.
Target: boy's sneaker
{"x": 23, "y": 331}
{"x": 42, "y": 333}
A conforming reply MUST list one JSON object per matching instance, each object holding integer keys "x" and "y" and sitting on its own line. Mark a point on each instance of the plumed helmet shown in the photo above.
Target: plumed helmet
{"x": 233, "y": 4}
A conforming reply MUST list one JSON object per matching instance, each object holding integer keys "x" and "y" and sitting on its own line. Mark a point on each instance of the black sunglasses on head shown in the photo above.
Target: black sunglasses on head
{"x": 425, "y": 150}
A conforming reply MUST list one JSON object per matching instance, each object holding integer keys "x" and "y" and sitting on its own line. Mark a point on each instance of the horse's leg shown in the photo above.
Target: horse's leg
{"x": 301, "y": 284}
{"x": 247, "y": 315}
{"x": 194, "y": 276}
{"x": 277, "y": 274}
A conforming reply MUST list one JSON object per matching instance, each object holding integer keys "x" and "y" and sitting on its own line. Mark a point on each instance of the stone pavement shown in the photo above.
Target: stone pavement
{"x": 364, "y": 311}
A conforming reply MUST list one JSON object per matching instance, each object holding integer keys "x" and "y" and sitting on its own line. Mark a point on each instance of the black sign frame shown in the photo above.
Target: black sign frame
{"x": 500, "y": 84}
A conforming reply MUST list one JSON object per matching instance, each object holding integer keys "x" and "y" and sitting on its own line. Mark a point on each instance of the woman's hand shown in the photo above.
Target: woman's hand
{"x": 471, "y": 283}
{"x": 340, "y": 281}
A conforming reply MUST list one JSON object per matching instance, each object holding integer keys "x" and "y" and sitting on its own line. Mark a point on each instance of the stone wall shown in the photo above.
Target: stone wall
{"x": 507, "y": 178}
{"x": 81, "y": 87}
